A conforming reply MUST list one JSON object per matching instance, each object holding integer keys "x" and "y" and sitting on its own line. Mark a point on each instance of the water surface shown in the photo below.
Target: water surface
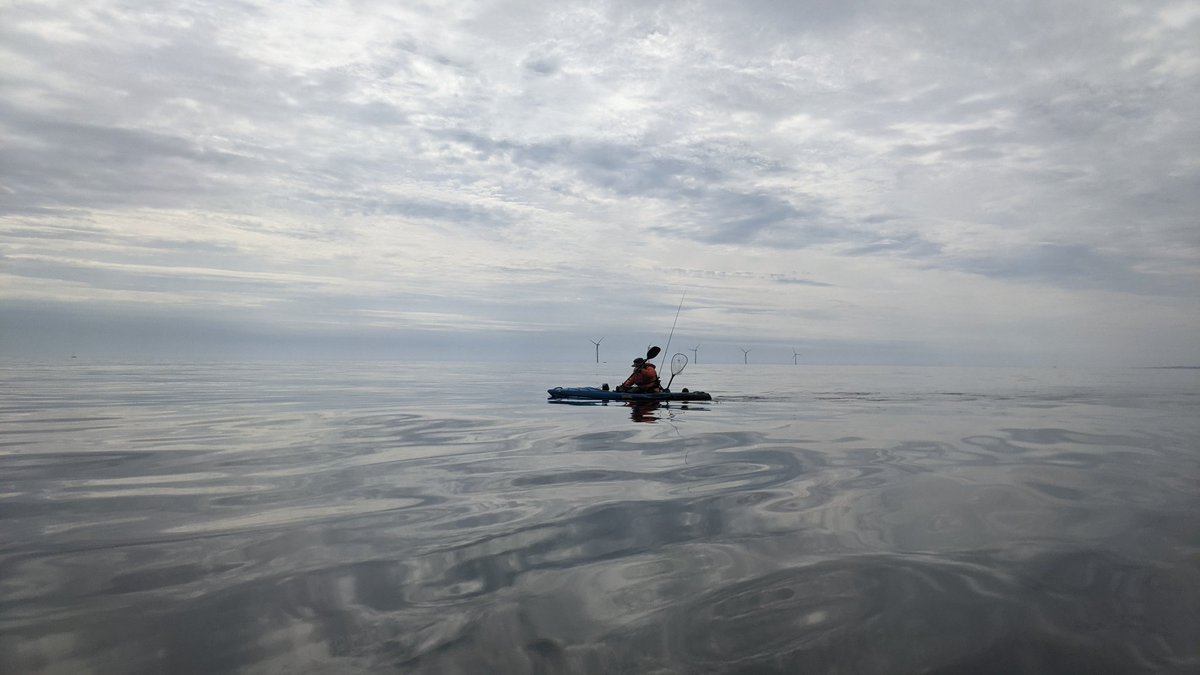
{"x": 346, "y": 518}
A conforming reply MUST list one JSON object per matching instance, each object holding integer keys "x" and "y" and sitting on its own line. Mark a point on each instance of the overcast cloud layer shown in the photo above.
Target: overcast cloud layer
{"x": 898, "y": 182}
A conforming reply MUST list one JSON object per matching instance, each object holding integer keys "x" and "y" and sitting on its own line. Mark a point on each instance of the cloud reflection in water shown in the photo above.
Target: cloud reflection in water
{"x": 318, "y": 534}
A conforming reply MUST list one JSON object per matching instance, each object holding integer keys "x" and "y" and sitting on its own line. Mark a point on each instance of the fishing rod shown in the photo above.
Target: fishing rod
{"x": 668, "y": 349}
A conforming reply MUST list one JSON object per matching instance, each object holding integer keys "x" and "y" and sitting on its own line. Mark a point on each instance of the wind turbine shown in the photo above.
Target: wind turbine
{"x": 695, "y": 354}
{"x": 795, "y": 357}
{"x": 745, "y": 353}
{"x": 597, "y": 343}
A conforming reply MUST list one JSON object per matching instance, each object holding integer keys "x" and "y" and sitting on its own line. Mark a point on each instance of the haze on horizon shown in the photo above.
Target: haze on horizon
{"x": 869, "y": 182}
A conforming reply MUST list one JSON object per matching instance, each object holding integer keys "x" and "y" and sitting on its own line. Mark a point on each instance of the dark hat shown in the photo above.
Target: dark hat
{"x": 638, "y": 361}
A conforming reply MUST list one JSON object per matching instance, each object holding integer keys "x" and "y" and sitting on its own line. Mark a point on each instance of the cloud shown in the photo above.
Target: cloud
{"x": 1076, "y": 266}
{"x": 519, "y": 167}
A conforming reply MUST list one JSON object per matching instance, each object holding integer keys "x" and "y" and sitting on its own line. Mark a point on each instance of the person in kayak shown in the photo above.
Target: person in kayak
{"x": 643, "y": 379}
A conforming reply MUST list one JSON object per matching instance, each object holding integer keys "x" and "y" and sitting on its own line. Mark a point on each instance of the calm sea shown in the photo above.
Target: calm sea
{"x": 389, "y": 517}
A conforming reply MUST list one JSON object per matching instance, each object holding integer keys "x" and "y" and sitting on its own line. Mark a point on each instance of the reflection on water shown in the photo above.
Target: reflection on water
{"x": 639, "y": 411}
{"x": 364, "y": 519}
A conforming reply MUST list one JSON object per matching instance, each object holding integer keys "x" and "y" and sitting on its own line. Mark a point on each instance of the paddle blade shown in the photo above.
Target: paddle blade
{"x": 652, "y": 352}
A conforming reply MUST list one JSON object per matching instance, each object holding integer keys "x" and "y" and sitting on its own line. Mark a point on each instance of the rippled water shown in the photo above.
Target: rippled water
{"x": 343, "y": 518}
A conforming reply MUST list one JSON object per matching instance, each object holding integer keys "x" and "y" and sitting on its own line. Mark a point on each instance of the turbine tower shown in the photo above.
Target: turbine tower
{"x": 745, "y": 353}
{"x": 795, "y": 357}
{"x": 597, "y": 343}
{"x": 695, "y": 354}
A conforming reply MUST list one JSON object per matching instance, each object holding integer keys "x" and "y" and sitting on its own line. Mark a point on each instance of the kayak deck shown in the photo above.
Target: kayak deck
{"x": 597, "y": 394}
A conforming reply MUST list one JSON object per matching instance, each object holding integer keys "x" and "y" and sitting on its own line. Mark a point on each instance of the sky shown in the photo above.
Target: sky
{"x": 891, "y": 182}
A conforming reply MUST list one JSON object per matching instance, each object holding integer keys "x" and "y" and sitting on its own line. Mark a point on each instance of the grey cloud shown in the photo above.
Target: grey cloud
{"x": 75, "y": 232}
{"x": 909, "y": 245}
{"x": 697, "y": 179}
{"x": 89, "y": 165}
{"x": 975, "y": 154}
{"x": 908, "y": 150}
{"x": 378, "y": 113}
{"x": 543, "y": 65}
{"x": 722, "y": 274}
{"x": 234, "y": 121}
{"x": 117, "y": 145}
{"x": 796, "y": 281}
{"x": 700, "y": 183}
{"x": 161, "y": 281}
{"x": 57, "y": 233}
{"x": 458, "y": 214}
{"x": 623, "y": 168}
{"x": 93, "y": 148}
{"x": 766, "y": 219}
{"x": 1073, "y": 266}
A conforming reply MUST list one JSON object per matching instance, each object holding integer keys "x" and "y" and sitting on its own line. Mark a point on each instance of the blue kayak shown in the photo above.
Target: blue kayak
{"x": 596, "y": 394}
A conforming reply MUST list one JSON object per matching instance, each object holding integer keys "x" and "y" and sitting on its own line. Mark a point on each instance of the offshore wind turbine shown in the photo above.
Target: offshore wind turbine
{"x": 795, "y": 357}
{"x": 597, "y": 343}
{"x": 695, "y": 354}
{"x": 745, "y": 355}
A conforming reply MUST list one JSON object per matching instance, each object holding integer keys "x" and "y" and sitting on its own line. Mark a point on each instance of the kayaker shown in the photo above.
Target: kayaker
{"x": 644, "y": 378}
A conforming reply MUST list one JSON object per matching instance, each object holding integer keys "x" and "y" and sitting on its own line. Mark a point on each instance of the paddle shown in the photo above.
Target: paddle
{"x": 678, "y": 363}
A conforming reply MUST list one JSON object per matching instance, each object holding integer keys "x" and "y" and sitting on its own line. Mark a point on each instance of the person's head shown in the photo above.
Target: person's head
{"x": 639, "y": 362}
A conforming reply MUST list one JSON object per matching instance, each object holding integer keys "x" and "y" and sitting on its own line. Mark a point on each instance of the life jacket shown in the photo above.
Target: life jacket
{"x": 645, "y": 377}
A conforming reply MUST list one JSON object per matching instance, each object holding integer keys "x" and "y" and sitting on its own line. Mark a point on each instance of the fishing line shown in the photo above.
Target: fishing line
{"x": 668, "y": 349}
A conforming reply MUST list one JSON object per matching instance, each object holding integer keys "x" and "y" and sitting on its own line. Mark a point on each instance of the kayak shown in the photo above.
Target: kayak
{"x": 596, "y": 394}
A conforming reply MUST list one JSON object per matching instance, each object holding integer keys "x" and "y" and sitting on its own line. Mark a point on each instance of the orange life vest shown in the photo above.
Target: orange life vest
{"x": 645, "y": 377}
